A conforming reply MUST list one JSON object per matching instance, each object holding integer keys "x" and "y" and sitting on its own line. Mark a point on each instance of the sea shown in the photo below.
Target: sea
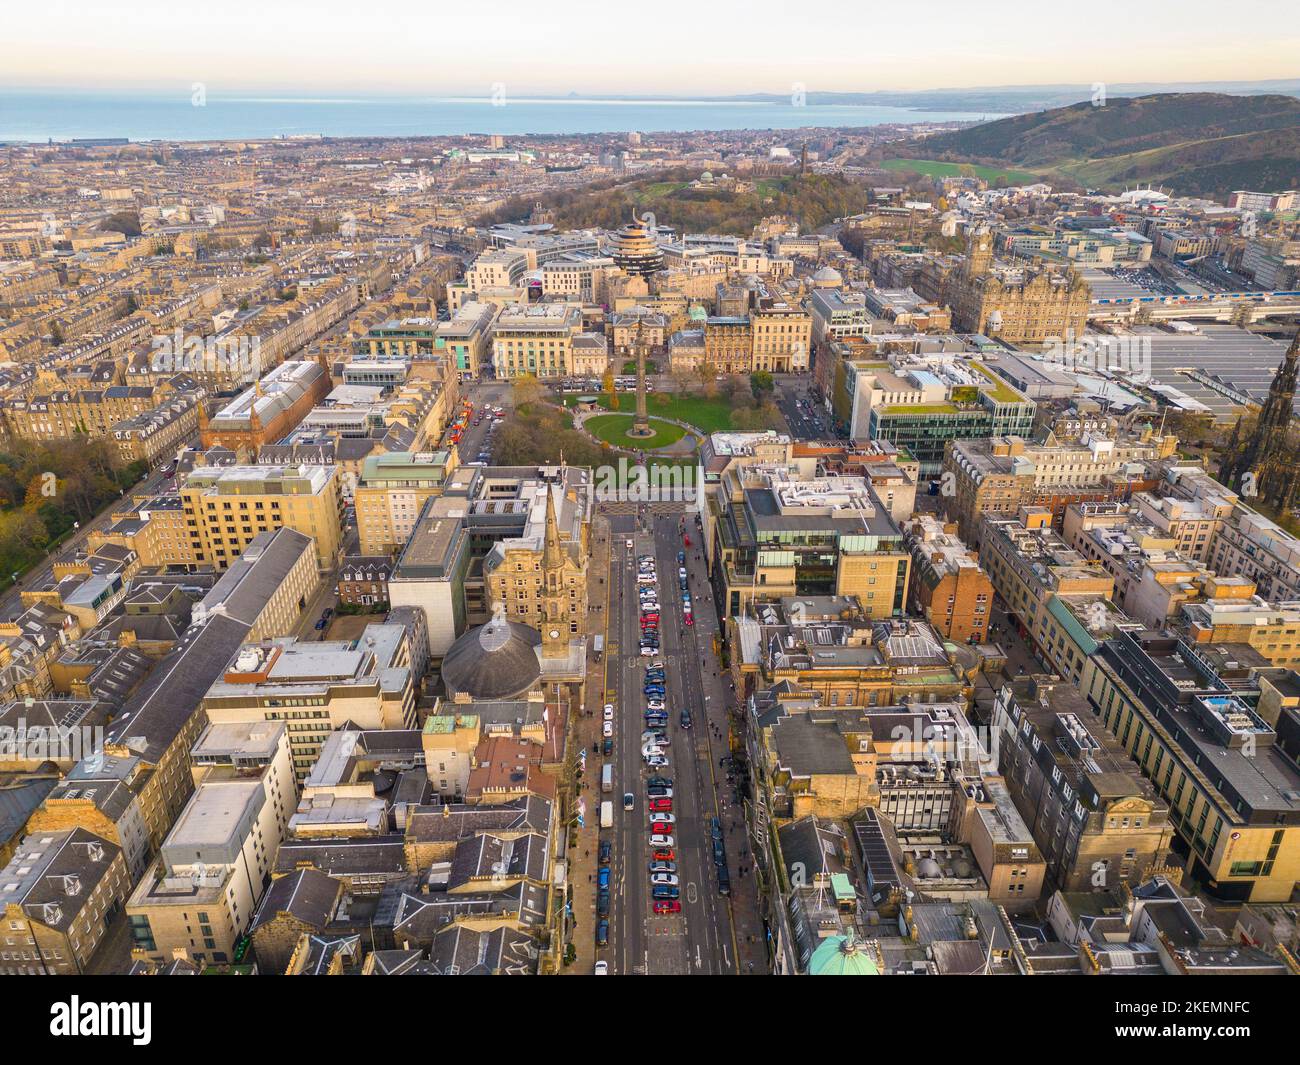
{"x": 196, "y": 115}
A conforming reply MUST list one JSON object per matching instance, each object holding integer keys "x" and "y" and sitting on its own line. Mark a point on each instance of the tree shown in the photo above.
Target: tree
{"x": 761, "y": 384}
{"x": 526, "y": 389}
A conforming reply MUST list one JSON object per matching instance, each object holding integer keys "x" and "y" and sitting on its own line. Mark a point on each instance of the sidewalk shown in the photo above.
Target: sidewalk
{"x": 584, "y": 859}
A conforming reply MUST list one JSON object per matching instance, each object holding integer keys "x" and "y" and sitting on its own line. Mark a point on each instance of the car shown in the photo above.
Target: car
{"x": 662, "y": 840}
{"x": 629, "y": 800}
{"x": 659, "y": 782}
{"x": 681, "y": 573}
{"x": 648, "y": 651}
{"x": 606, "y": 852}
{"x": 681, "y": 558}
{"x": 609, "y": 711}
{"x": 651, "y": 617}
{"x": 661, "y": 804}
{"x": 689, "y": 618}
{"x": 321, "y": 624}
{"x": 645, "y": 578}
{"x": 602, "y": 882}
{"x": 684, "y": 719}
{"x": 607, "y": 728}
{"x": 602, "y": 903}
{"x": 667, "y": 906}
{"x": 602, "y": 934}
{"x": 659, "y": 793}
{"x": 629, "y": 544}
{"x": 663, "y": 818}
{"x": 656, "y": 707}
{"x": 655, "y": 690}
{"x": 665, "y": 891}
{"x": 664, "y": 855}
{"x": 607, "y": 747}
{"x": 329, "y": 613}
{"x": 651, "y": 750}
{"x": 659, "y": 739}
{"x": 664, "y": 879}
{"x": 663, "y": 867}
{"x": 657, "y": 761}
{"x": 602, "y": 967}
{"x": 655, "y": 674}
{"x": 657, "y": 721}
{"x": 715, "y": 828}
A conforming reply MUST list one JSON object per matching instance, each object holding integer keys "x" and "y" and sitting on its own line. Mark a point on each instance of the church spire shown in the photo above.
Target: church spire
{"x": 553, "y": 553}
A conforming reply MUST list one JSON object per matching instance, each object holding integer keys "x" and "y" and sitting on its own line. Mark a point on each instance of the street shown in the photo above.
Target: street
{"x": 704, "y": 937}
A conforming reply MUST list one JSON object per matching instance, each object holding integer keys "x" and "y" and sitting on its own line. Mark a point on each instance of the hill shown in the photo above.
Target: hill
{"x": 1201, "y": 143}
{"x": 812, "y": 199}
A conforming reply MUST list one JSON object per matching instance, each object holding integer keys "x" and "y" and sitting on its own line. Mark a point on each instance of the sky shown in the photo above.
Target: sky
{"x": 677, "y": 47}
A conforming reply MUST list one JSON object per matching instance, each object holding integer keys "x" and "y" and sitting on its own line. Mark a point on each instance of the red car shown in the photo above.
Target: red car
{"x": 661, "y": 806}
{"x": 665, "y": 854}
{"x": 690, "y": 619}
{"x": 686, "y": 540}
{"x": 667, "y": 906}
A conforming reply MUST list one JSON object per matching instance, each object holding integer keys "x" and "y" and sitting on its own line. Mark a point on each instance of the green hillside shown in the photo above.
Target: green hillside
{"x": 1202, "y": 143}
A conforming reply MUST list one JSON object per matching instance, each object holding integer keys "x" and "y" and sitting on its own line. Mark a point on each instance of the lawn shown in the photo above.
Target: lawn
{"x": 707, "y": 415}
{"x": 935, "y": 169}
{"x": 612, "y": 428}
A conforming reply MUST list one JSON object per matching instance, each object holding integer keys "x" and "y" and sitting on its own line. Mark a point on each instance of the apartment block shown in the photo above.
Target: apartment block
{"x": 217, "y": 859}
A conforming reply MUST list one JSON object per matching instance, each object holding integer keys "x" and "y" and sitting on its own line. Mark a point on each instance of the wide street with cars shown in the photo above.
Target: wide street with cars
{"x": 666, "y": 879}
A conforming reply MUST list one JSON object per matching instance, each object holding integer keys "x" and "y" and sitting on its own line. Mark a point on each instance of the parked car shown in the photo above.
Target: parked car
{"x": 665, "y": 891}
{"x": 661, "y": 804}
{"x": 659, "y": 840}
{"x": 606, "y": 852}
{"x": 609, "y": 711}
{"x": 607, "y": 728}
{"x": 664, "y": 879}
{"x": 667, "y": 906}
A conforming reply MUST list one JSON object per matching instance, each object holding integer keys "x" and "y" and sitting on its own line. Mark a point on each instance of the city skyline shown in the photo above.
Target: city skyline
{"x": 400, "y": 48}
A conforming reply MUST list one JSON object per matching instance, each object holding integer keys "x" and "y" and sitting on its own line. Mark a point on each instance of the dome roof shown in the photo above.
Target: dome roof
{"x": 494, "y": 661}
{"x": 827, "y": 275}
{"x": 842, "y": 956}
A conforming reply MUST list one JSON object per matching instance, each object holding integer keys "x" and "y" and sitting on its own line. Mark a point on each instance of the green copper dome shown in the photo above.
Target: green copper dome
{"x": 842, "y": 956}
